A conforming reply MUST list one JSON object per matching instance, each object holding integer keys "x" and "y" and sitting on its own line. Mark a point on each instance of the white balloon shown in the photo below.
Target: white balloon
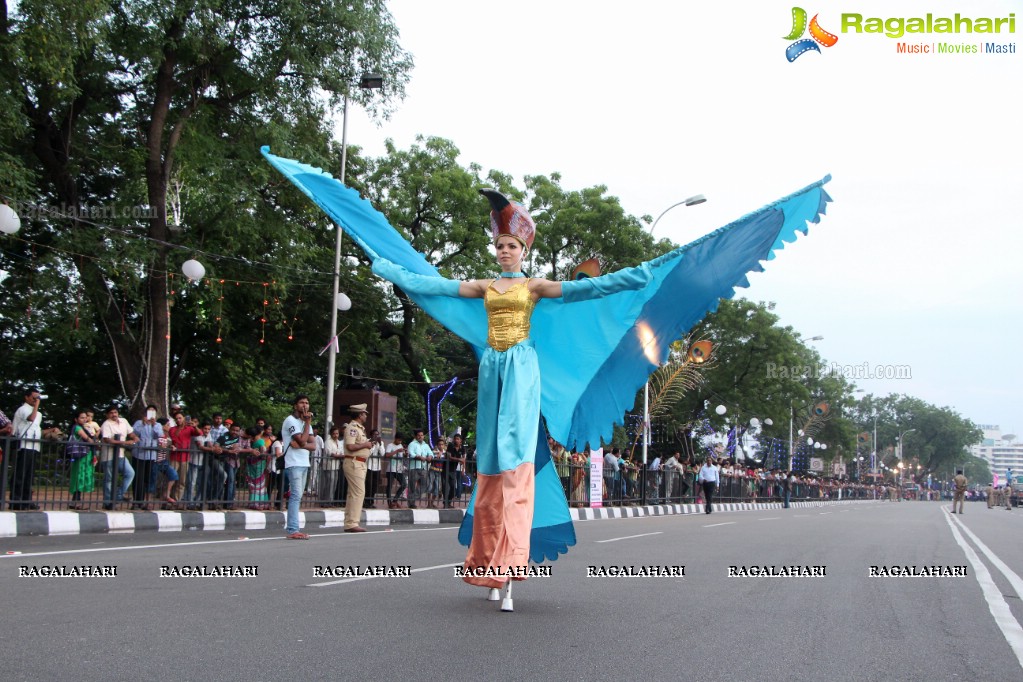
{"x": 769, "y": 422}
{"x": 9, "y": 220}
{"x": 343, "y": 302}
{"x": 824, "y": 446}
{"x": 754, "y": 423}
{"x": 800, "y": 433}
{"x": 193, "y": 269}
{"x": 816, "y": 446}
{"x": 721, "y": 409}
{"x": 809, "y": 441}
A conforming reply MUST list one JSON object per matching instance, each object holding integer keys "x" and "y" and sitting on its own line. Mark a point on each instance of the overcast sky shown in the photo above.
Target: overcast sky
{"x": 917, "y": 263}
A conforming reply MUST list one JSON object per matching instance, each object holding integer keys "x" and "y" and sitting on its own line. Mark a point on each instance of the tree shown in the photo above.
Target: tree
{"x": 119, "y": 101}
{"x": 935, "y": 437}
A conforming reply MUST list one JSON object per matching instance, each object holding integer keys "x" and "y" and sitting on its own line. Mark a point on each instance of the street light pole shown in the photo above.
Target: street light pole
{"x": 691, "y": 201}
{"x": 367, "y": 82}
{"x": 900, "y": 441}
{"x": 873, "y": 454}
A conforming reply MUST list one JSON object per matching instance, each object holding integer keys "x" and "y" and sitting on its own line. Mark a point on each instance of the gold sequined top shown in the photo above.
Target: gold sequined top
{"x": 508, "y": 314}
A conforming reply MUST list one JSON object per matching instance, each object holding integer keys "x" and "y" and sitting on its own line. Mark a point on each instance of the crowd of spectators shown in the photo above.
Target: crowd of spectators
{"x": 186, "y": 463}
{"x": 182, "y": 462}
{"x": 674, "y": 478}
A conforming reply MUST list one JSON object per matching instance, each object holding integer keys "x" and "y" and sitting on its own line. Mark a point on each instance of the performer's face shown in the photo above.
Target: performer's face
{"x": 509, "y": 253}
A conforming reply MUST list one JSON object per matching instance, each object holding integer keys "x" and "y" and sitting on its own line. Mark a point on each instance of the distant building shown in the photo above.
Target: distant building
{"x": 1002, "y": 451}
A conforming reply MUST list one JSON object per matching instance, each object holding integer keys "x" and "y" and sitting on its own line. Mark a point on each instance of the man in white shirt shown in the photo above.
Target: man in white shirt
{"x": 655, "y": 482}
{"x": 374, "y": 463}
{"x": 395, "y": 454}
{"x": 674, "y": 475}
{"x": 298, "y": 437}
{"x": 27, "y": 420}
{"x": 333, "y": 455}
{"x": 709, "y": 479}
{"x": 116, "y": 434}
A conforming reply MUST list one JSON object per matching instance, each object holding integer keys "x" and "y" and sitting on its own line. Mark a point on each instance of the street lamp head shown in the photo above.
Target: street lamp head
{"x": 371, "y": 81}
{"x": 691, "y": 201}
{"x": 816, "y": 338}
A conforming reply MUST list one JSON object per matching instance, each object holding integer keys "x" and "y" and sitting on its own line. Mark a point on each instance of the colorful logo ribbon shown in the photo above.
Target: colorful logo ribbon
{"x": 817, "y": 35}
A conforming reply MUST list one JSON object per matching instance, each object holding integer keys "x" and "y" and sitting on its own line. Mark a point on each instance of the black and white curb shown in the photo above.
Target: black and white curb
{"x": 590, "y": 514}
{"x": 13, "y": 524}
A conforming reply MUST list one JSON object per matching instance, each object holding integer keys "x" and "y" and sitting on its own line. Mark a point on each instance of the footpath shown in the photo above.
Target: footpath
{"x": 13, "y": 524}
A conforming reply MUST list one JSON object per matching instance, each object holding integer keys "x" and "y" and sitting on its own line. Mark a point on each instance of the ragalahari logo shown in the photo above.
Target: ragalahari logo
{"x": 817, "y": 35}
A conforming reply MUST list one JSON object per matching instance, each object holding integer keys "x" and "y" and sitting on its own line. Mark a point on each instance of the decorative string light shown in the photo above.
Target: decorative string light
{"x": 262, "y": 319}
{"x": 220, "y": 313}
{"x": 78, "y": 304}
{"x": 31, "y": 273}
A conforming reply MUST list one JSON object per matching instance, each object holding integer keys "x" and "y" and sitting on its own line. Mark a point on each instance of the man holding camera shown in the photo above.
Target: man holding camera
{"x": 27, "y": 421}
{"x": 298, "y": 439}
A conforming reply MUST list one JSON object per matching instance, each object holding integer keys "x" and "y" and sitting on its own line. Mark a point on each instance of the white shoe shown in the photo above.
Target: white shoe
{"x": 494, "y": 595}
{"x": 506, "y": 603}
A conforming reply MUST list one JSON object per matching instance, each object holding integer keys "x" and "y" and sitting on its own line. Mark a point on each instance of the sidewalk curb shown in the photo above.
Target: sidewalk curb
{"x": 13, "y": 524}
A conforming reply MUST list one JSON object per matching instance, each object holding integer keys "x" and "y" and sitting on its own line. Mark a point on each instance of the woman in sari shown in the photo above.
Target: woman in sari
{"x": 83, "y": 460}
{"x": 256, "y": 469}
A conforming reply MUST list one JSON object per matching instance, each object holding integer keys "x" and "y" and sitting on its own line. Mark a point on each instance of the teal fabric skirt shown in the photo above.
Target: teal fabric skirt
{"x": 508, "y": 413}
{"x": 509, "y": 432}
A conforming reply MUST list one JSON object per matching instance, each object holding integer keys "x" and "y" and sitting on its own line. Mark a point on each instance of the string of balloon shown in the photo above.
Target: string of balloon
{"x": 76, "y": 254}
{"x": 181, "y": 247}
{"x": 215, "y": 285}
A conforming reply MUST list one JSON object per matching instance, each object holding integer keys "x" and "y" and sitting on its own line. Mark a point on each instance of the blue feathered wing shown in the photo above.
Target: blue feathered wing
{"x": 589, "y": 384}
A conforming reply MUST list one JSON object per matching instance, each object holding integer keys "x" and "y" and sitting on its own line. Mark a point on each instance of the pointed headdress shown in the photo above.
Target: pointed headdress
{"x": 509, "y": 218}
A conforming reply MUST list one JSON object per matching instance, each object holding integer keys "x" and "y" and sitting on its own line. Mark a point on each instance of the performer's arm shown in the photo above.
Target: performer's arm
{"x": 418, "y": 284}
{"x": 605, "y": 285}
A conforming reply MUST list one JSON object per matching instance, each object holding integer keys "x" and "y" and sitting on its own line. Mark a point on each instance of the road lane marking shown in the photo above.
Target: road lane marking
{"x": 1010, "y": 575}
{"x": 822, "y": 513}
{"x": 999, "y": 608}
{"x": 196, "y": 543}
{"x": 629, "y": 537}
{"x": 726, "y": 523}
{"x": 770, "y": 518}
{"x": 370, "y": 577}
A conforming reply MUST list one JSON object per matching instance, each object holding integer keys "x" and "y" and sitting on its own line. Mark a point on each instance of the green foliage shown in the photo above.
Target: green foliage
{"x": 935, "y": 437}
{"x": 118, "y": 105}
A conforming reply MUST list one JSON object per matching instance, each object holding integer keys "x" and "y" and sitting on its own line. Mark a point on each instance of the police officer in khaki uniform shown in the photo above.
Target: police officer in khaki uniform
{"x": 1008, "y": 497}
{"x": 357, "y": 447}
{"x": 960, "y": 491}
{"x": 990, "y": 496}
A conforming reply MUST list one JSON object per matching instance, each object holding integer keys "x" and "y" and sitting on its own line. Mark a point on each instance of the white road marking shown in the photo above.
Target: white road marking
{"x": 629, "y": 537}
{"x": 1011, "y": 576}
{"x": 822, "y": 513}
{"x": 1004, "y": 619}
{"x": 770, "y": 518}
{"x": 370, "y": 577}
{"x": 727, "y": 523}
{"x": 195, "y": 543}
